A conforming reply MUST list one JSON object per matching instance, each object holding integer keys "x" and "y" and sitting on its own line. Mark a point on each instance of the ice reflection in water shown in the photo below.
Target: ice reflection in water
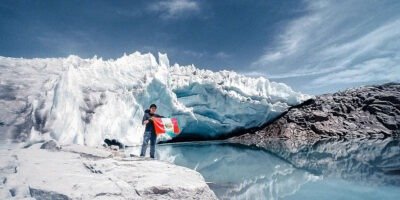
{"x": 282, "y": 169}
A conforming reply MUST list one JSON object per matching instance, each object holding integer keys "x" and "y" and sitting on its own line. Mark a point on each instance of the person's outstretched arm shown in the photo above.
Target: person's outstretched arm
{"x": 159, "y": 116}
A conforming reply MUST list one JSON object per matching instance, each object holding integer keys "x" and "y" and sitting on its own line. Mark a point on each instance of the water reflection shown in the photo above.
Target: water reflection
{"x": 284, "y": 169}
{"x": 374, "y": 161}
{"x": 238, "y": 171}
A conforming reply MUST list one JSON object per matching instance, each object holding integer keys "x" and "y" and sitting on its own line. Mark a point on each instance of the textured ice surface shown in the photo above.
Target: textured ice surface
{"x": 83, "y": 101}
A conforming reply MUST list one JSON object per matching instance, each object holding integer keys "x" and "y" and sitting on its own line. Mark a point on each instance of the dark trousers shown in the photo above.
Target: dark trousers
{"x": 148, "y": 135}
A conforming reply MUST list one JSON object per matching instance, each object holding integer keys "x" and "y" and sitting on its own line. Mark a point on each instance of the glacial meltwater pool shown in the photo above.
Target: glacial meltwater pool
{"x": 332, "y": 169}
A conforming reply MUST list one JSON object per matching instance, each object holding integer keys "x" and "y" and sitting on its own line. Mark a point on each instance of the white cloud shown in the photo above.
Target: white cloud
{"x": 341, "y": 41}
{"x": 175, "y": 8}
{"x": 222, "y": 55}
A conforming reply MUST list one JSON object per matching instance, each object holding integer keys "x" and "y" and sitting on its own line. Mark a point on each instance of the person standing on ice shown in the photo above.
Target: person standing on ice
{"x": 149, "y": 132}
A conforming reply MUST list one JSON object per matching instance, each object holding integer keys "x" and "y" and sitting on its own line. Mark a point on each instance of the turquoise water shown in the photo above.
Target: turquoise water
{"x": 364, "y": 169}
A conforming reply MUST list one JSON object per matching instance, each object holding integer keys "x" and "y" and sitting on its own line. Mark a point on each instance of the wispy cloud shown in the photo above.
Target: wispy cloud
{"x": 65, "y": 43}
{"x": 380, "y": 69}
{"x": 172, "y": 9}
{"x": 194, "y": 53}
{"x": 341, "y": 41}
{"x": 222, "y": 55}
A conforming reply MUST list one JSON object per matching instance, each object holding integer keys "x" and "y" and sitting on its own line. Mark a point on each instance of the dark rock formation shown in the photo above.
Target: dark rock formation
{"x": 51, "y": 145}
{"x": 43, "y": 194}
{"x": 366, "y": 112}
{"x": 114, "y": 142}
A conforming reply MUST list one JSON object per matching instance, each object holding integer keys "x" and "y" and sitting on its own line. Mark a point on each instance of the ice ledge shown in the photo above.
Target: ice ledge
{"x": 71, "y": 174}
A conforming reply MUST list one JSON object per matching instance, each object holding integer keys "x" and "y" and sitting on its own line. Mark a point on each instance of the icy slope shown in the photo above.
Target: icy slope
{"x": 82, "y": 101}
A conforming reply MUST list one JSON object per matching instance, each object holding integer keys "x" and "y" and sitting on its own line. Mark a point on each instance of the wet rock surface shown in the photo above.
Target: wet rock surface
{"x": 366, "y": 112}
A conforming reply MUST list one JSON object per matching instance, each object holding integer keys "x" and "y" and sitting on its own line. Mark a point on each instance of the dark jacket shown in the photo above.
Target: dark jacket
{"x": 147, "y": 116}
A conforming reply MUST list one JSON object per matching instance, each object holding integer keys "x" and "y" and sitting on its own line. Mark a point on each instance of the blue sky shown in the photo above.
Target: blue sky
{"x": 313, "y": 46}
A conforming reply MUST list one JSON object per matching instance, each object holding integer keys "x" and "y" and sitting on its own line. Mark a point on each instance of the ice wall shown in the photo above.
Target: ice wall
{"x": 83, "y": 101}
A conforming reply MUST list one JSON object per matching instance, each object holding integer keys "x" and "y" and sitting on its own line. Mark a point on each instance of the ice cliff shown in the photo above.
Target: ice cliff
{"x": 83, "y": 101}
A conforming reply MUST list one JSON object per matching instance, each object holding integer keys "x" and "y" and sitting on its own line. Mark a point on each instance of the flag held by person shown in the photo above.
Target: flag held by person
{"x": 166, "y": 128}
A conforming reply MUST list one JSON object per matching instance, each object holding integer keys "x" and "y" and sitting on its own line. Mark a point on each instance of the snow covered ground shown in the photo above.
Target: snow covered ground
{"x": 81, "y": 172}
{"x": 84, "y": 101}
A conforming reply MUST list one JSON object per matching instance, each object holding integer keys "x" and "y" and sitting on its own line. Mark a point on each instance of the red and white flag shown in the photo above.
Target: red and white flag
{"x": 166, "y": 128}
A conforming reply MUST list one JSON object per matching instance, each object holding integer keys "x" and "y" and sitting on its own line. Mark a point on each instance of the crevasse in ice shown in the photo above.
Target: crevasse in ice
{"x": 83, "y": 101}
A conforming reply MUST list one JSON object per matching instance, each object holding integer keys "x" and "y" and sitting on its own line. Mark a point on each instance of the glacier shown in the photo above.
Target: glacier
{"x": 84, "y": 101}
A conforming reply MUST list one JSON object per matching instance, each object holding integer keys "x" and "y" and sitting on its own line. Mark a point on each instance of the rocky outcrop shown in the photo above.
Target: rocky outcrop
{"x": 51, "y": 145}
{"x": 80, "y": 172}
{"x": 366, "y": 112}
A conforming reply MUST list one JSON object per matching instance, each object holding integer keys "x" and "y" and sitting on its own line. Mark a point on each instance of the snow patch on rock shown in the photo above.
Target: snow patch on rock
{"x": 66, "y": 174}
